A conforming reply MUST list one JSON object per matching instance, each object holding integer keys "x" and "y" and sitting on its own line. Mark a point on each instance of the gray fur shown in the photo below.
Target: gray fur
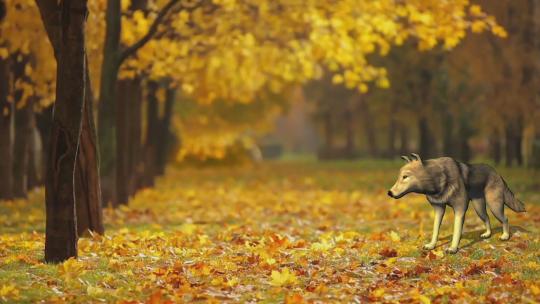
{"x": 447, "y": 182}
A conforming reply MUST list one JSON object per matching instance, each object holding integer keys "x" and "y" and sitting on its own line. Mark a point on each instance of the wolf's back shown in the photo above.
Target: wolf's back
{"x": 511, "y": 201}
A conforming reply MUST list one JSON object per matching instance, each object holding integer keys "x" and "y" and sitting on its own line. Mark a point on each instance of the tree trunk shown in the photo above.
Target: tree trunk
{"x": 448, "y": 137}
{"x": 349, "y": 134}
{"x": 6, "y": 134}
{"x": 65, "y": 25}
{"x": 107, "y": 99}
{"x": 328, "y": 131}
{"x": 495, "y": 147}
{"x": 87, "y": 181}
{"x": 152, "y": 134}
{"x": 122, "y": 142}
{"x": 43, "y": 124}
{"x": 23, "y": 136}
{"x": 166, "y": 135}
{"x": 135, "y": 162}
{"x": 426, "y": 146}
{"x": 510, "y": 152}
{"x": 392, "y": 130}
{"x": 33, "y": 152}
{"x": 403, "y": 140}
{"x": 369, "y": 129}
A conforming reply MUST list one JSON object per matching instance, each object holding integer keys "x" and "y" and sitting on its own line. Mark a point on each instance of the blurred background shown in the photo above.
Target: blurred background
{"x": 479, "y": 100}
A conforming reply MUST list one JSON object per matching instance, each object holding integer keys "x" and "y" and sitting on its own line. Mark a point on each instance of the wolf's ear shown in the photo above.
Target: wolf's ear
{"x": 406, "y": 158}
{"x": 415, "y": 156}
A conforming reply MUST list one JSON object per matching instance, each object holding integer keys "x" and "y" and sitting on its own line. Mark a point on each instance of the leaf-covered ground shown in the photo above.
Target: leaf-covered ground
{"x": 290, "y": 232}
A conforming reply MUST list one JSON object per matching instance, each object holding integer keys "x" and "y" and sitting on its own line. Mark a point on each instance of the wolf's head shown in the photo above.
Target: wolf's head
{"x": 413, "y": 177}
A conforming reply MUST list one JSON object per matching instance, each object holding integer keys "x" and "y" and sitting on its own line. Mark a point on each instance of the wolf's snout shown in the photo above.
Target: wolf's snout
{"x": 390, "y": 193}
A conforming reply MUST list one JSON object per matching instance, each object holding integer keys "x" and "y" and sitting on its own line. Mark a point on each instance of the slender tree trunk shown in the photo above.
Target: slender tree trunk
{"x": 65, "y": 25}
{"x": 44, "y": 123}
{"x": 136, "y": 166}
{"x": 107, "y": 99}
{"x": 403, "y": 140}
{"x": 33, "y": 152}
{"x": 122, "y": 142}
{"x": 328, "y": 131}
{"x": 510, "y": 152}
{"x": 426, "y": 146}
{"x": 349, "y": 134}
{"x": 6, "y": 131}
{"x": 23, "y": 136}
{"x": 369, "y": 129}
{"x": 392, "y": 130}
{"x": 152, "y": 134}
{"x": 165, "y": 139}
{"x": 495, "y": 147}
{"x": 87, "y": 181}
{"x": 448, "y": 137}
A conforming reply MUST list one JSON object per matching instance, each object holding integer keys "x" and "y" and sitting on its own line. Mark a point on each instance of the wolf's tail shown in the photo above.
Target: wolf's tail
{"x": 511, "y": 201}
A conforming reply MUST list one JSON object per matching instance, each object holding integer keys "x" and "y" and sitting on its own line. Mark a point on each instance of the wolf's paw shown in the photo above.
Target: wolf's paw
{"x": 504, "y": 237}
{"x": 451, "y": 250}
{"x": 485, "y": 235}
{"x": 429, "y": 246}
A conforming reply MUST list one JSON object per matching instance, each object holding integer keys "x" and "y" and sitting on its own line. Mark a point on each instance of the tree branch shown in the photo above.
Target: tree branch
{"x": 152, "y": 31}
{"x": 129, "y": 51}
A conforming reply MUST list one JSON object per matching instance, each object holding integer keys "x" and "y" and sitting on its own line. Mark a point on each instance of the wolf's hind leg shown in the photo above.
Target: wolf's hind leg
{"x": 494, "y": 198}
{"x": 479, "y": 205}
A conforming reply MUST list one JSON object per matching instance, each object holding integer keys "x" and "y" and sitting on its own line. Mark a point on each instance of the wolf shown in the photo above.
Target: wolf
{"x": 446, "y": 181}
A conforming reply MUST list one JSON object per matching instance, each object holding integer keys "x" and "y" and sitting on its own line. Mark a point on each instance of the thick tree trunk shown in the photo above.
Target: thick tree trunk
{"x": 164, "y": 140}
{"x": 6, "y": 132}
{"x": 87, "y": 181}
{"x": 65, "y": 24}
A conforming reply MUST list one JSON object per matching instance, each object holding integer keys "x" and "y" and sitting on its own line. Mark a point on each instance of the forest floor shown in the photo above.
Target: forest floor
{"x": 289, "y": 232}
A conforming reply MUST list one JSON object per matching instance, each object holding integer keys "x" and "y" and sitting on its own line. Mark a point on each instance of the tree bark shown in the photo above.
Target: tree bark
{"x": 87, "y": 182}
{"x": 495, "y": 147}
{"x": 6, "y": 131}
{"x": 135, "y": 162}
{"x": 403, "y": 140}
{"x": 165, "y": 133}
{"x": 23, "y": 136}
{"x": 33, "y": 152}
{"x": 349, "y": 134}
{"x": 392, "y": 130}
{"x": 122, "y": 142}
{"x": 152, "y": 134}
{"x": 427, "y": 145}
{"x": 65, "y": 24}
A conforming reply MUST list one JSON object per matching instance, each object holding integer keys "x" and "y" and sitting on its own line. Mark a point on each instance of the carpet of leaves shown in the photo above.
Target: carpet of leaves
{"x": 293, "y": 232}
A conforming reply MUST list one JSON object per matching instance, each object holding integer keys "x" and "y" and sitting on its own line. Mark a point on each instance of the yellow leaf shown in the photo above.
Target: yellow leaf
{"x": 394, "y": 236}
{"x": 283, "y": 278}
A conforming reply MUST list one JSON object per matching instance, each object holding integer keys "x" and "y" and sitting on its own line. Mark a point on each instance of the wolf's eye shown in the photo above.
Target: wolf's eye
{"x": 405, "y": 177}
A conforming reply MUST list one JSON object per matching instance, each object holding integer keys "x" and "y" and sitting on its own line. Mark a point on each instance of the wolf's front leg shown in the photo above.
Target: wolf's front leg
{"x": 459, "y": 219}
{"x": 439, "y": 214}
